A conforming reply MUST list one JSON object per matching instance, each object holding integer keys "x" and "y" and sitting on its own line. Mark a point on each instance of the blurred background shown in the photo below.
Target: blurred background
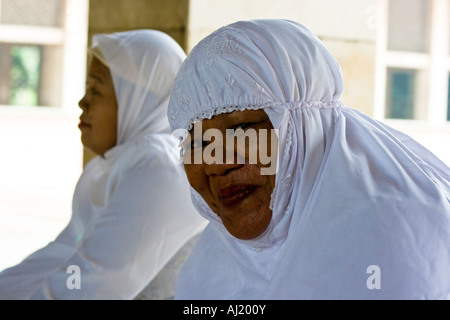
{"x": 395, "y": 57}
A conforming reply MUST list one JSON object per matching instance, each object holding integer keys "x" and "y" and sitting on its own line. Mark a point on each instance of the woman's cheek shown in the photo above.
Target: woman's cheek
{"x": 197, "y": 178}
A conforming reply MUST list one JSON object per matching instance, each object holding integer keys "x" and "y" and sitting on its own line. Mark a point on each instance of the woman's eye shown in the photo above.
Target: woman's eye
{"x": 242, "y": 126}
{"x": 94, "y": 91}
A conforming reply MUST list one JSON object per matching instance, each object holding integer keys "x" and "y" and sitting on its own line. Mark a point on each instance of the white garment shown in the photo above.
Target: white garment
{"x": 131, "y": 208}
{"x": 360, "y": 211}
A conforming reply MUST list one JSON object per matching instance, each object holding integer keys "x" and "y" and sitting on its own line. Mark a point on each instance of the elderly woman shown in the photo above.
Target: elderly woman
{"x": 353, "y": 210}
{"x": 132, "y": 220}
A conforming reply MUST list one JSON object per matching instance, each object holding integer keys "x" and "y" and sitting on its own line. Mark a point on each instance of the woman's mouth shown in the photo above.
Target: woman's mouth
{"x": 82, "y": 125}
{"x": 232, "y": 196}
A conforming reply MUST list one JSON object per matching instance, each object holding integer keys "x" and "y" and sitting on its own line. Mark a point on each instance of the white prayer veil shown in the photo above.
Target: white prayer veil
{"x": 142, "y": 78}
{"x": 143, "y": 64}
{"x": 360, "y": 211}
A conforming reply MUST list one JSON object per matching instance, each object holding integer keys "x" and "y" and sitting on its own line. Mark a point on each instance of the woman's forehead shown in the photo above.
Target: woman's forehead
{"x": 97, "y": 71}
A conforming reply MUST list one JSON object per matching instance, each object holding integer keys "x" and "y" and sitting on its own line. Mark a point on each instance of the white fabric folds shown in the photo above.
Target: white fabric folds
{"x": 360, "y": 211}
{"x": 131, "y": 208}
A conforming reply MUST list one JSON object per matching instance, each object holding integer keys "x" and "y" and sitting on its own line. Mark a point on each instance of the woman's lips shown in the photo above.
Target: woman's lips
{"x": 233, "y": 195}
{"x": 83, "y": 124}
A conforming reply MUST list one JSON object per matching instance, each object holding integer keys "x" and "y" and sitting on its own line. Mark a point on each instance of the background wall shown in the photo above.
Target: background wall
{"x": 169, "y": 16}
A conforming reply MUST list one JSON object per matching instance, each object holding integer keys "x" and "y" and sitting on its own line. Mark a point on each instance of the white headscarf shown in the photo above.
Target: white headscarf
{"x": 360, "y": 211}
{"x": 143, "y": 64}
{"x": 132, "y": 213}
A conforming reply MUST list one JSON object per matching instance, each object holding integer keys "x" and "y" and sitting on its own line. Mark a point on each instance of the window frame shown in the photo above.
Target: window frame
{"x": 71, "y": 39}
{"x": 435, "y": 64}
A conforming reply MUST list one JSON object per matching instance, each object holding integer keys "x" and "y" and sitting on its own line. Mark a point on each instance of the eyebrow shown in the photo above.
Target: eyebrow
{"x": 91, "y": 75}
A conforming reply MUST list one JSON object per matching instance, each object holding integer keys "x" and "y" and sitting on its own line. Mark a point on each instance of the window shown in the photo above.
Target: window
{"x": 24, "y": 75}
{"x": 36, "y": 12}
{"x": 414, "y": 60}
{"x": 408, "y": 25}
{"x": 400, "y": 93}
{"x": 31, "y": 52}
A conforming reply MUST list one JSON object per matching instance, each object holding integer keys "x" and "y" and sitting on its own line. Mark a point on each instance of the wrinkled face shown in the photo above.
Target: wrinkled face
{"x": 227, "y": 160}
{"x": 98, "y": 122}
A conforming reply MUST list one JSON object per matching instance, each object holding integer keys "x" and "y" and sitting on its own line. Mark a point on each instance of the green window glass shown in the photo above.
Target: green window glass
{"x": 400, "y": 94}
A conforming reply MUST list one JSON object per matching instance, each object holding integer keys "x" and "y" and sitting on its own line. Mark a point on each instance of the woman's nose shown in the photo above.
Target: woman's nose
{"x": 221, "y": 169}
{"x": 83, "y": 103}
{"x": 224, "y": 158}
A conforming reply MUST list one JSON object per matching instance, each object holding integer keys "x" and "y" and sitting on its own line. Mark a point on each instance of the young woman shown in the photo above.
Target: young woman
{"x": 133, "y": 222}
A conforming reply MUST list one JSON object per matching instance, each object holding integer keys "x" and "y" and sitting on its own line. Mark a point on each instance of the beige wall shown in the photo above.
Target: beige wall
{"x": 169, "y": 16}
{"x": 357, "y": 60}
{"x": 347, "y": 27}
{"x": 342, "y": 19}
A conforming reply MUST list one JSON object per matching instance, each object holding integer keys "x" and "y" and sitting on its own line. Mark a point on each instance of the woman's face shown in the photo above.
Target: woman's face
{"x": 228, "y": 175}
{"x": 98, "y": 122}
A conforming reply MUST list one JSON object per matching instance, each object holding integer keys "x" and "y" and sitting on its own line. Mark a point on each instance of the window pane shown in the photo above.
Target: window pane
{"x": 35, "y": 12}
{"x": 24, "y": 75}
{"x": 408, "y": 25}
{"x": 400, "y": 94}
